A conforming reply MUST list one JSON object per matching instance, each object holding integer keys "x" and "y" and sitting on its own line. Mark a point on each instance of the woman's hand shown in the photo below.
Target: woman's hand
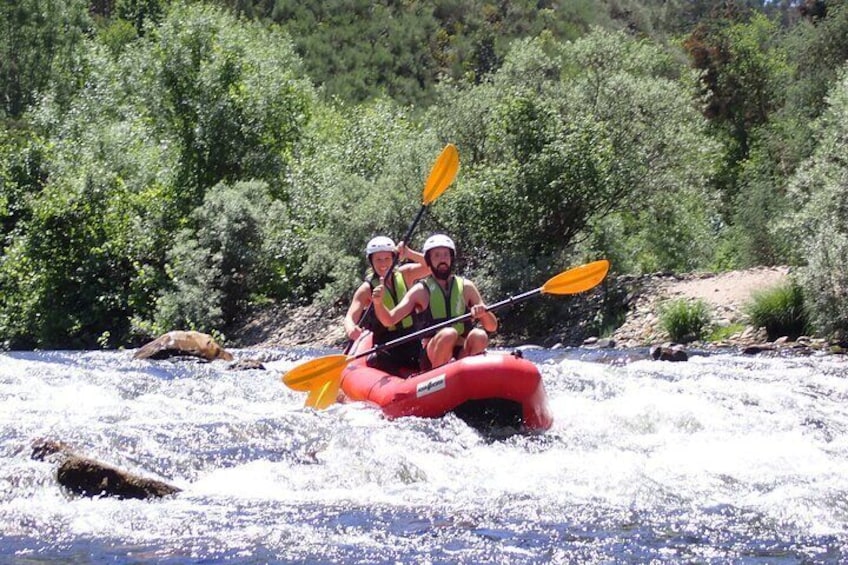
{"x": 377, "y": 293}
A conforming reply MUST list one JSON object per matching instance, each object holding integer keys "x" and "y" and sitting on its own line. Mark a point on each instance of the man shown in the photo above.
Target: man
{"x": 441, "y": 296}
{"x": 381, "y": 253}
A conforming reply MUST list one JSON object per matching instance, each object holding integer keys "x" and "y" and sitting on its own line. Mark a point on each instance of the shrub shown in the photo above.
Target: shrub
{"x": 685, "y": 320}
{"x": 780, "y": 310}
{"x": 214, "y": 267}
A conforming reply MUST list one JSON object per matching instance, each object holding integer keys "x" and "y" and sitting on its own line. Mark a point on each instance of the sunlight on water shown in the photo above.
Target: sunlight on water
{"x": 721, "y": 459}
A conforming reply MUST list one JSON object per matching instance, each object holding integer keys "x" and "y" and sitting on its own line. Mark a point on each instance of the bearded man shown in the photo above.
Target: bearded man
{"x": 441, "y": 296}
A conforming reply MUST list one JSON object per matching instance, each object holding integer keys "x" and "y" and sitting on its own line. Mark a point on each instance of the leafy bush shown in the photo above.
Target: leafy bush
{"x": 365, "y": 179}
{"x": 214, "y": 267}
{"x": 780, "y": 310}
{"x": 685, "y": 320}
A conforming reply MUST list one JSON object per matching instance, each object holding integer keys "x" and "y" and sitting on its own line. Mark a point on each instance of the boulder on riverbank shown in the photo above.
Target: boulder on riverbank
{"x": 180, "y": 342}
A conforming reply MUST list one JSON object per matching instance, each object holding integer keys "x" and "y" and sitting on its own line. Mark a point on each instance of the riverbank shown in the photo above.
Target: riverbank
{"x": 725, "y": 294}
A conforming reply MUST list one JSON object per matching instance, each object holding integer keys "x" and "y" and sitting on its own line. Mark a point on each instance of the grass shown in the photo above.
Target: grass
{"x": 685, "y": 320}
{"x": 780, "y": 310}
{"x": 721, "y": 333}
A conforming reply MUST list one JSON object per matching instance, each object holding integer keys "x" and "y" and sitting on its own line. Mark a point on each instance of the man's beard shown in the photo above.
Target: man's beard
{"x": 442, "y": 271}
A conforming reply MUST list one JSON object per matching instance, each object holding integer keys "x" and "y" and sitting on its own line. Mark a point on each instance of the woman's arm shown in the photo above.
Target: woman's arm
{"x": 361, "y": 300}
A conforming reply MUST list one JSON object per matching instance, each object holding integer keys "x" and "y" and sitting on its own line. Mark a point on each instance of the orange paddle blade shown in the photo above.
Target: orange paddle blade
{"x": 442, "y": 174}
{"x": 314, "y": 373}
{"x": 325, "y": 395}
{"x": 578, "y": 279}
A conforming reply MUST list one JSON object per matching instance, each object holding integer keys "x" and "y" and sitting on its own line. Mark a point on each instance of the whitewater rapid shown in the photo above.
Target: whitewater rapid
{"x": 722, "y": 459}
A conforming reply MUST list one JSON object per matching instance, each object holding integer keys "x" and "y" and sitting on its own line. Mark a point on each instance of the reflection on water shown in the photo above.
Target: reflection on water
{"x": 723, "y": 459}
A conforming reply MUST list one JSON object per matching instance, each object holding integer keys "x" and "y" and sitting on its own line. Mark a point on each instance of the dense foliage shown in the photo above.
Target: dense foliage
{"x": 171, "y": 164}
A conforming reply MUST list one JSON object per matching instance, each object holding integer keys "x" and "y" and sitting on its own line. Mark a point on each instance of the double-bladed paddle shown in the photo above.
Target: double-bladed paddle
{"x": 441, "y": 176}
{"x": 321, "y": 377}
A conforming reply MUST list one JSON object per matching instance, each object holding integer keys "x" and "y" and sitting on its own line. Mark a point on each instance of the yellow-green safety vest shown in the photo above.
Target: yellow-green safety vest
{"x": 390, "y": 301}
{"x": 443, "y": 307}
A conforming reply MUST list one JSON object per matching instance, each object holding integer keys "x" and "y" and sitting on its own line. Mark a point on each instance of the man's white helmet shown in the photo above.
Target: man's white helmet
{"x": 438, "y": 240}
{"x": 379, "y": 243}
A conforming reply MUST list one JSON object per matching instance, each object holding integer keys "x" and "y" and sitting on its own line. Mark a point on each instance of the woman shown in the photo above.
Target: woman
{"x": 382, "y": 255}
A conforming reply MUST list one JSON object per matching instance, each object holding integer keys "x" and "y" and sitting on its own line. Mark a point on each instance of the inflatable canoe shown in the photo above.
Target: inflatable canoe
{"x": 488, "y": 391}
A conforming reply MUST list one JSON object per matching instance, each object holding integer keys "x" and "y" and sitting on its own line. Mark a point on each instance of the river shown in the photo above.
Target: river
{"x": 722, "y": 459}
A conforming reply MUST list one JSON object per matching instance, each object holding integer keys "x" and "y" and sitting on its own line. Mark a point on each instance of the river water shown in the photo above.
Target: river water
{"x": 723, "y": 459}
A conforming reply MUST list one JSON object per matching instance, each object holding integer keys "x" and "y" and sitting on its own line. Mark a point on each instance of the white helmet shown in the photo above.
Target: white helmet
{"x": 379, "y": 243}
{"x": 438, "y": 240}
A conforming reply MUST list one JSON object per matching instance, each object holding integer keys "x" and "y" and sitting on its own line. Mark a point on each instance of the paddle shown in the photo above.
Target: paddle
{"x": 322, "y": 376}
{"x": 441, "y": 176}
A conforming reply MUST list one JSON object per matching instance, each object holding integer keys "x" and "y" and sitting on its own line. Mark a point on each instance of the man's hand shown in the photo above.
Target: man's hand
{"x": 478, "y": 310}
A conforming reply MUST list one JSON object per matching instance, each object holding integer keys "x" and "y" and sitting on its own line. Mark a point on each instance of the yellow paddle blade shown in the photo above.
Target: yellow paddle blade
{"x": 325, "y": 395}
{"x": 577, "y": 279}
{"x": 442, "y": 174}
{"x": 315, "y": 372}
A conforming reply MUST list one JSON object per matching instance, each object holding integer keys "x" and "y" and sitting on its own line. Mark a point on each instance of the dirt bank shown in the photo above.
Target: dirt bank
{"x": 726, "y": 294}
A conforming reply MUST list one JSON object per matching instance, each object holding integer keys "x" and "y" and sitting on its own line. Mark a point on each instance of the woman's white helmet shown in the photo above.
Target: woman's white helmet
{"x": 438, "y": 240}
{"x": 379, "y": 243}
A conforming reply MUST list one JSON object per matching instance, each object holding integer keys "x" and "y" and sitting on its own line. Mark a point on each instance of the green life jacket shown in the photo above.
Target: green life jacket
{"x": 391, "y": 298}
{"x": 444, "y": 307}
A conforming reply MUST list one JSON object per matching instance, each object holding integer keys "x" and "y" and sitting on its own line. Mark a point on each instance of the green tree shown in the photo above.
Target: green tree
{"x": 22, "y": 174}
{"x": 744, "y": 73}
{"x": 201, "y": 100}
{"x": 365, "y": 177}
{"x": 817, "y": 47}
{"x": 41, "y": 43}
{"x": 230, "y": 95}
{"x": 820, "y": 226}
{"x": 141, "y": 13}
{"x": 572, "y": 139}
{"x": 358, "y": 50}
{"x": 802, "y": 64}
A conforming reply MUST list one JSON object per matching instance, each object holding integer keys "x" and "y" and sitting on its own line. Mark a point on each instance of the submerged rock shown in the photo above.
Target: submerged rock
{"x": 88, "y": 477}
{"x": 246, "y": 365}
{"x": 669, "y": 352}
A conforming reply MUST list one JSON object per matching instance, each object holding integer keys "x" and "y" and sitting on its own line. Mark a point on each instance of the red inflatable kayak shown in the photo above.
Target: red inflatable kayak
{"x": 491, "y": 390}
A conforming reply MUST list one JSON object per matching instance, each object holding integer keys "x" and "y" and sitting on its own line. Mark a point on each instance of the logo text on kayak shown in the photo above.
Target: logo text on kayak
{"x": 430, "y": 386}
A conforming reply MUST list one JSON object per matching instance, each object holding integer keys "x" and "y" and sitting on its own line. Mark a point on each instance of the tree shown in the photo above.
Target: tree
{"x": 571, "y": 139}
{"x": 744, "y": 73}
{"x": 217, "y": 264}
{"x": 819, "y": 192}
{"x": 200, "y": 100}
{"x": 231, "y": 96}
{"x": 41, "y": 43}
{"x": 364, "y": 178}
